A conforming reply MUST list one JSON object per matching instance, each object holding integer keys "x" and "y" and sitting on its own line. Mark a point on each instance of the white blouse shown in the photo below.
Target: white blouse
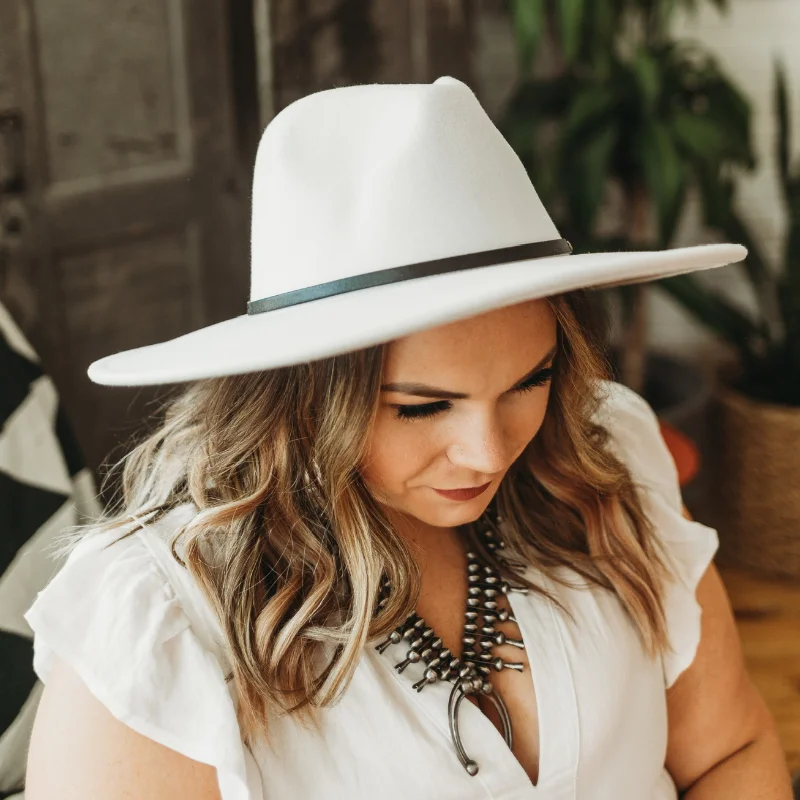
{"x": 136, "y": 628}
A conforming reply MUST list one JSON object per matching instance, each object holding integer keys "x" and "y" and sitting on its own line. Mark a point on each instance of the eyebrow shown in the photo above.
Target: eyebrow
{"x": 421, "y": 390}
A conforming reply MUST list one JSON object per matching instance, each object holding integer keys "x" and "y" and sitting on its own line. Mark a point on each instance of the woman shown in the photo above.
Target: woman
{"x": 399, "y": 483}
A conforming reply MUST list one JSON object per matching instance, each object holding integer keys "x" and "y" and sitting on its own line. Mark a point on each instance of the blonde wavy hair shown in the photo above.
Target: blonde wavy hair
{"x": 270, "y": 460}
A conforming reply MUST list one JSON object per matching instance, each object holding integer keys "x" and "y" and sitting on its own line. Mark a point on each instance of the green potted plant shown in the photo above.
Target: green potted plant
{"x": 624, "y": 108}
{"x": 756, "y": 427}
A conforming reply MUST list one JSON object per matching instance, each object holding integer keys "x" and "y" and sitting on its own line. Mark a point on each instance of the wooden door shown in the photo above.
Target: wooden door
{"x": 125, "y": 197}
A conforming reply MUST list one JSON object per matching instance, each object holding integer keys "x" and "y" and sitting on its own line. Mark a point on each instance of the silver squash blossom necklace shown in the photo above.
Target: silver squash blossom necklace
{"x": 469, "y": 673}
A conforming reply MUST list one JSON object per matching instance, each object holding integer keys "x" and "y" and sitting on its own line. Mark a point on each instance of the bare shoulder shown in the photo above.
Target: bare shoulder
{"x": 78, "y": 749}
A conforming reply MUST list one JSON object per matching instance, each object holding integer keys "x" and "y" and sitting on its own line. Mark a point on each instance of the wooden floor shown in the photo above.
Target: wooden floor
{"x": 768, "y": 615}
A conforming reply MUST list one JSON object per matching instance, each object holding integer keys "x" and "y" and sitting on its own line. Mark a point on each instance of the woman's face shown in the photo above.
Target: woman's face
{"x": 458, "y": 405}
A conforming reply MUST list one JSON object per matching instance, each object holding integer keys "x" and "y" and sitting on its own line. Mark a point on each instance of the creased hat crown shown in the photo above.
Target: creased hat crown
{"x": 362, "y": 178}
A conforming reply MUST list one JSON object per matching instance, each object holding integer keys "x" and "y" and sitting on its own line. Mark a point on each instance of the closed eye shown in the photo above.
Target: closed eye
{"x": 423, "y": 410}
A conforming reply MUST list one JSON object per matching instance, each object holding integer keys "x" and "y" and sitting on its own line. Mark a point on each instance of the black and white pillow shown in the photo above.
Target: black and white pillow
{"x": 44, "y": 487}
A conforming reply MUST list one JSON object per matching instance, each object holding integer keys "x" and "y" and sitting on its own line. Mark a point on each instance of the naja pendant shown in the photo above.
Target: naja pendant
{"x": 460, "y": 690}
{"x": 469, "y": 672}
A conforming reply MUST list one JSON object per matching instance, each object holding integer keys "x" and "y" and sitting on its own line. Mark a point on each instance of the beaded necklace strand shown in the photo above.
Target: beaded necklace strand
{"x": 469, "y": 672}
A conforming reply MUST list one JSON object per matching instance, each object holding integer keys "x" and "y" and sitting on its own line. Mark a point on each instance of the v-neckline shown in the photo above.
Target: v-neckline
{"x": 500, "y": 771}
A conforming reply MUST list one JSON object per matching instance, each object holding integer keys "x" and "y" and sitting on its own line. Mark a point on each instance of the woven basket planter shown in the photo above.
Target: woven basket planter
{"x": 756, "y": 456}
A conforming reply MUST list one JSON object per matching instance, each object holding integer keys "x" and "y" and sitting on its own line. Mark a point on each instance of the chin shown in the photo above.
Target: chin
{"x": 460, "y": 514}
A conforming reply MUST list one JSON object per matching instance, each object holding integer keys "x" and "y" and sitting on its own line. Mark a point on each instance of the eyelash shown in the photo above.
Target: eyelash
{"x": 430, "y": 409}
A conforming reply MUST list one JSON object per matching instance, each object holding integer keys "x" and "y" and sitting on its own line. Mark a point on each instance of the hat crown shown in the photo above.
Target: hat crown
{"x": 363, "y": 178}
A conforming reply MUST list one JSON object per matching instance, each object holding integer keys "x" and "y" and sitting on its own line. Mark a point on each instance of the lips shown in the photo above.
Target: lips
{"x": 463, "y": 494}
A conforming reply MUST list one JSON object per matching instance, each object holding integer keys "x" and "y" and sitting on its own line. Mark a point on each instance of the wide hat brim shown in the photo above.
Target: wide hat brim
{"x": 370, "y": 316}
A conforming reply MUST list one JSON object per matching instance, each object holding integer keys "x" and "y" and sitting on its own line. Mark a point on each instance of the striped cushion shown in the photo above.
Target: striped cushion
{"x": 44, "y": 487}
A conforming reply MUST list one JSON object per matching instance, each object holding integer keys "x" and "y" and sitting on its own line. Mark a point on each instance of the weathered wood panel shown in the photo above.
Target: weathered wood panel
{"x": 136, "y": 197}
{"x": 116, "y": 298}
{"x": 114, "y": 85}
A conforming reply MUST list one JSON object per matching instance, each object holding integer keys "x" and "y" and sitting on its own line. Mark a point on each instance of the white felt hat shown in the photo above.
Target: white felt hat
{"x": 381, "y": 210}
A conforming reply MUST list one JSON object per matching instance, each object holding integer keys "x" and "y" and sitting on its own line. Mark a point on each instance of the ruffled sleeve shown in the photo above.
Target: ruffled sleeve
{"x": 690, "y": 546}
{"x": 114, "y": 616}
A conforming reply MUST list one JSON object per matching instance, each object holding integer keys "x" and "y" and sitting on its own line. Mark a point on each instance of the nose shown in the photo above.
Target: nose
{"x": 479, "y": 445}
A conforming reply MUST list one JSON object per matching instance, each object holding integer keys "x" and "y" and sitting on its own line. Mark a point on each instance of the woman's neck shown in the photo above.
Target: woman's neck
{"x": 429, "y": 544}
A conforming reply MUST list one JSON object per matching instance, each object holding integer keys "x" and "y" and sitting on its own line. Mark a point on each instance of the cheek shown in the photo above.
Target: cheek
{"x": 528, "y": 417}
{"x": 396, "y": 452}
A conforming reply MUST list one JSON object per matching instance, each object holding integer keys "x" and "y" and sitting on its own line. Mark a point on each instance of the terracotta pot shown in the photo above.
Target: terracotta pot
{"x": 755, "y": 450}
{"x": 684, "y": 452}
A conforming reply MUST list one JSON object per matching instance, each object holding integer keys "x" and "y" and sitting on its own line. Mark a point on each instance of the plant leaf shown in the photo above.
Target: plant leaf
{"x": 646, "y": 72}
{"x": 601, "y": 28}
{"x": 528, "y": 18}
{"x": 591, "y": 108}
{"x": 716, "y": 193}
{"x": 784, "y": 136}
{"x": 789, "y": 292}
{"x": 665, "y": 177}
{"x": 586, "y": 146}
{"x": 790, "y": 288}
{"x": 570, "y": 19}
{"x": 733, "y": 113}
{"x": 695, "y": 85}
{"x": 699, "y": 136}
{"x": 586, "y": 175}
